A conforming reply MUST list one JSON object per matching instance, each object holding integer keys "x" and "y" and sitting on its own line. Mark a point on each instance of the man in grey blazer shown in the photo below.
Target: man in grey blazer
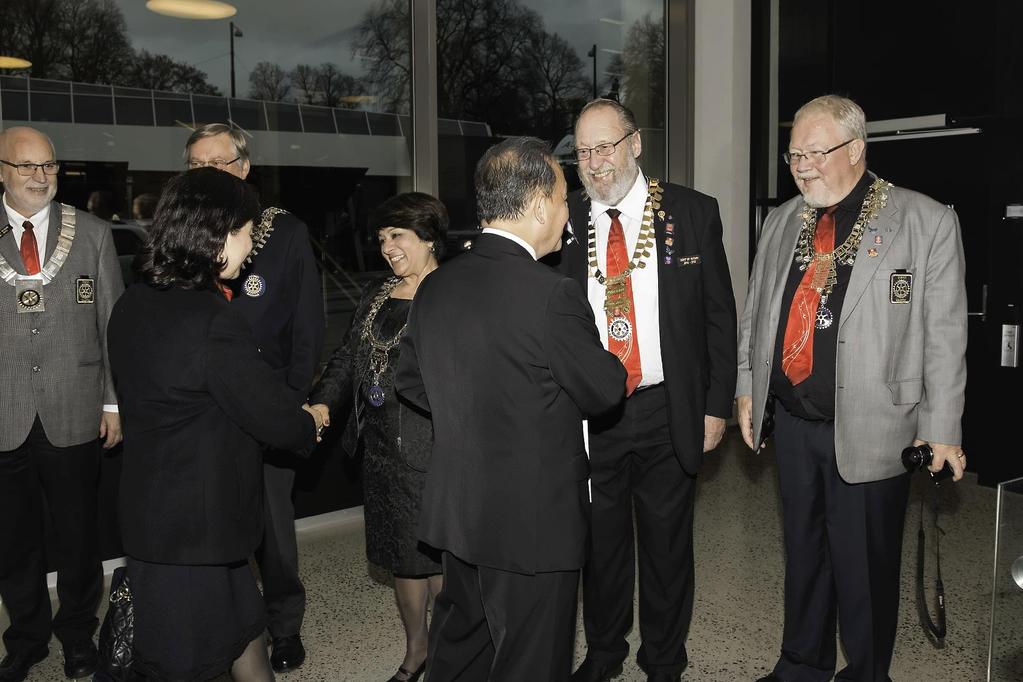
{"x": 855, "y": 331}
{"x": 59, "y": 278}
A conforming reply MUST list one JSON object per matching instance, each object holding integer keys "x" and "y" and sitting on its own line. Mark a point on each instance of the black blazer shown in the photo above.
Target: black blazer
{"x": 506, "y": 353}
{"x": 696, "y": 311}
{"x": 194, "y": 397}
{"x": 280, "y": 295}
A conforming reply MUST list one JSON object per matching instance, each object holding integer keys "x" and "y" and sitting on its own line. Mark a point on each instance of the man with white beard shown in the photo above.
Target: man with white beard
{"x": 650, "y": 257}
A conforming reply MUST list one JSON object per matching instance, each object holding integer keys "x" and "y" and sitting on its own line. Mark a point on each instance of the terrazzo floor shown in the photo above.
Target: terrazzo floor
{"x": 352, "y": 631}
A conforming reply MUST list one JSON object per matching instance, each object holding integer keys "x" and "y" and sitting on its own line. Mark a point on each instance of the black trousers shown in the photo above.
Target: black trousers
{"x": 634, "y": 466}
{"x": 277, "y": 556}
{"x": 491, "y": 625}
{"x": 843, "y": 549}
{"x": 35, "y": 478}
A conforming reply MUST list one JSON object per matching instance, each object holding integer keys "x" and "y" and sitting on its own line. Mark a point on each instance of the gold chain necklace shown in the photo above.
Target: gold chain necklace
{"x": 615, "y": 298}
{"x": 379, "y": 348}
{"x": 825, "y": 276}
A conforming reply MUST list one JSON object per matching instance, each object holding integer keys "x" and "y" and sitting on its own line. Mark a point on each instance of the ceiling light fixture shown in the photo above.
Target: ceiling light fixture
{"x": 192, "y": 9}
{"x": 14, "y": 63}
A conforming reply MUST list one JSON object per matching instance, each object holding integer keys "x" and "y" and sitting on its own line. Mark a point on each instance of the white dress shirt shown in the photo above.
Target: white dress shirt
{"x": 40, "y": 226}
{"x": 514, "y": 237}
{"x": 644, "y": 280}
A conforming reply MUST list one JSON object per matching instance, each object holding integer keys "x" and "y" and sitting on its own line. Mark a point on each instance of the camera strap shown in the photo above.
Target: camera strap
{"x": 937, "y": 631}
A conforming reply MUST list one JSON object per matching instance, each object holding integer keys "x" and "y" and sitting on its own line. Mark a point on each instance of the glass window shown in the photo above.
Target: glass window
{"x": 525, "y": 67}
{"x": 121, "y": 102}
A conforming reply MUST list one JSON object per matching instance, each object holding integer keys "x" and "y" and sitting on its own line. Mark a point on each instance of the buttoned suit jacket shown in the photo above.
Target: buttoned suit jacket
{"x": 900, "y": 368}
{"x": 696, "y": 310}
{"x": 54, "y": 363}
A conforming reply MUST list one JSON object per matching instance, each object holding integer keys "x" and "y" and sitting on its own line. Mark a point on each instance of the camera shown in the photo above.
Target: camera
{"x": 919, "y": 457}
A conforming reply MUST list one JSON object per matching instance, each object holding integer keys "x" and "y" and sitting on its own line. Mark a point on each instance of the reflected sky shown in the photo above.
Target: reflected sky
{"x": 291, "y": 32}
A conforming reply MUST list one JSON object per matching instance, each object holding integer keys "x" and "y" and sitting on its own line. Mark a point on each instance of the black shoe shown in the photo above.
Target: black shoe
{"x": 770, "y": 678}
{"x": 80, "y": 659}
{"x": 664, "y": 677}
{"x": 15, "y": 667}
{"x": 594, "y": 671}
{"x": 287, "y": 653}
{"x": 406, "y": 676}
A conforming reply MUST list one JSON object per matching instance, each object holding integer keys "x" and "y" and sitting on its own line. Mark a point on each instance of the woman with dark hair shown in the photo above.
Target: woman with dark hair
{"x": 357, "y": 386}
{"x": 195, "y": 400}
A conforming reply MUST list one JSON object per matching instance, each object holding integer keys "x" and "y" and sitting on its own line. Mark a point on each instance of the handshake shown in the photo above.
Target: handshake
{"x": 321, "y": 415}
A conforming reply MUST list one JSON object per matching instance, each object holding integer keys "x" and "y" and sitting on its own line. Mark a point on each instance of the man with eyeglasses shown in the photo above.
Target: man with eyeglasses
{"x": 279, "y": 293}
{"x": 650, "y": 257}
{"x": 59, "y": 279}
{"x": 854, "y": 334}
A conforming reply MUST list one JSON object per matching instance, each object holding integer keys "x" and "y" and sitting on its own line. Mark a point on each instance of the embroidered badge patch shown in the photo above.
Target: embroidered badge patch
{"x": 85, "y": 289}
{"x": 900, "y": 287}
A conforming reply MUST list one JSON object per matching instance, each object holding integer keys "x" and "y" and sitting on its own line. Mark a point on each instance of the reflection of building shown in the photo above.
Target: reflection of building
{"x": 316, "y": 160}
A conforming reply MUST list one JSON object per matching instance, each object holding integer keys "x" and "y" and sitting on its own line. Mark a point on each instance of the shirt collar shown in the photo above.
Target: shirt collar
{"x": 632, "y": 205}
{"x": 853, "y": 201}
{"x": 514, "y": 237}
{"x": 17, "y": 220}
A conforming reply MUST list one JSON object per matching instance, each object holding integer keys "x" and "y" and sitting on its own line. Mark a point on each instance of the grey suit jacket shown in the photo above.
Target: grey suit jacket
{"x": 54, "y": 363}
{"x": 900, "y": 367}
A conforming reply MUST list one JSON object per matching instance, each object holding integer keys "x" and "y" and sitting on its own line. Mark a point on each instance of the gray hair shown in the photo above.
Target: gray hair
{"x": 842, "y": 110}
{"x": 241, "y": 145}
{"x": 626, "y": 118}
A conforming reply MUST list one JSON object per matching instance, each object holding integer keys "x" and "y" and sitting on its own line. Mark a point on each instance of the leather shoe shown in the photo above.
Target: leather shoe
{"x": 287, "y": 653}
{"x": 664, "y": 677}
{"x": 406, "y": 676}
{"x": 15, "y": 667}
{"x": 80, "y": 659}
{"x": 769, "y": 678}
{"x": 594, "y": 671}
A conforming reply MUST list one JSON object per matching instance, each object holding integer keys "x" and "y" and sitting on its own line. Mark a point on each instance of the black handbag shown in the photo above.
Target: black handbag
{"x": 117, "y": 633}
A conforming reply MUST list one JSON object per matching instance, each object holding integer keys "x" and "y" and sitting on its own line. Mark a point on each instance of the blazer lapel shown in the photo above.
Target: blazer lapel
{"x": 9, "y": 250}
{"x": 574, "y": 254}
{"x": 52, "y": 232}
{"x": 786, "y": 256}
{"x": 887, "y": 225}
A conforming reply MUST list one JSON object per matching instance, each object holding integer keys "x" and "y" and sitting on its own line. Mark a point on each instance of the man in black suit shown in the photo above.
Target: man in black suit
{"x": 649, "y": 255}
{"x": 503, "y": 352}
{"x": 279, "y": 294}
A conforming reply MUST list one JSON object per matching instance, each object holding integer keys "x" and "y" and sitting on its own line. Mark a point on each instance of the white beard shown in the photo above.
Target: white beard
{"x": 611, "y": 195}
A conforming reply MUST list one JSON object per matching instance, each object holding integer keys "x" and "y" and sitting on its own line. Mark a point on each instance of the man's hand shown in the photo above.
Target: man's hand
{"x": 713, "y": 431}
{"x": 321, "y": 415}
{"x": 953, "y": 454}
{"x": 744, "y": 405}
{"x": 110, "y": 429}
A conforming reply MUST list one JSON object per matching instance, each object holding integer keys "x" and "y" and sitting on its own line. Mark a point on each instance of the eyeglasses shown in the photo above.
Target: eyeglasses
{"x": 216, "y": 163}
{"x": 794, "y": 158}
{"x": 29, "y": 169}
{"x": 606, "y": 149}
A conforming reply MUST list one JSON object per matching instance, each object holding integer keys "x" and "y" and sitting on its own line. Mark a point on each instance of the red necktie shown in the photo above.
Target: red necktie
{"x": 797, "y": 348}
{"x": 626, "y": 346}
{"x": 29, "y": 249}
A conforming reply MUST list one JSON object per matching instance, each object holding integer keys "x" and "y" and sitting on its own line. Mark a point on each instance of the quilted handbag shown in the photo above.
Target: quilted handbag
{"x": 117, "y": 631}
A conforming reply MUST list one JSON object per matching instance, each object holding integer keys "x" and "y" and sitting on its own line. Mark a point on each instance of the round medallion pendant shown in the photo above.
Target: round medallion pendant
{"x": 824, "y": 318}
{"x": 254, "y": 285}
{"x": 29, "y": 298}
{"x": 375, "y": 395}
{"x": 619, "y": 329}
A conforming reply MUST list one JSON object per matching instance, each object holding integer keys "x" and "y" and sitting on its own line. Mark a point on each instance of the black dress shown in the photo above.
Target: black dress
{"x": 395, "y": 440}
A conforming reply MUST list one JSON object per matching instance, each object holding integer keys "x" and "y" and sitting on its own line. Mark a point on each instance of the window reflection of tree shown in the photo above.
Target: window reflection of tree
{"x": 498, "y": 63}
{"x": 87, "y": 41}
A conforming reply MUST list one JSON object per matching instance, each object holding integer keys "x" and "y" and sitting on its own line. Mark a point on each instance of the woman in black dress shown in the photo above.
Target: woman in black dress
{"x": 357, "y": 388}
{"x": 195, "y": 397}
